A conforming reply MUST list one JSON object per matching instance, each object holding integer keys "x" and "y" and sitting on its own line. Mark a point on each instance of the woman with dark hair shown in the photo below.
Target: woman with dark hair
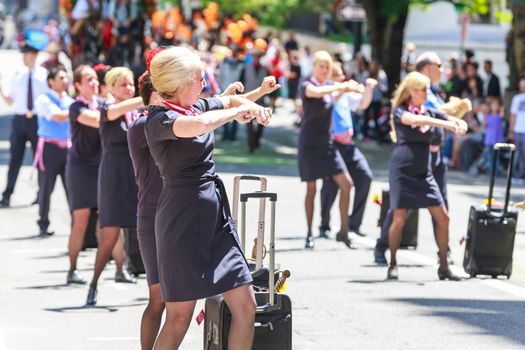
{"x": 117, "y": 190}
{"x": 83, "y": 162}
{"x": 412, "y": 184}
{"x": 149, "y": 184}
{"x": 197, "y": 246}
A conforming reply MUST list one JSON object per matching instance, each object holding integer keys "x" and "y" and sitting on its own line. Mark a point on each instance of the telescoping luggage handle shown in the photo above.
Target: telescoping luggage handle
{"x": 260, "y": 224}
{"x": 271, "y": 265}
{"x": 497, "y": 148}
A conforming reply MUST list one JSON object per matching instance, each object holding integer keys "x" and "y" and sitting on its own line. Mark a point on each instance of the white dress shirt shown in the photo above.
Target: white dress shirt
{"x": 18, "y": 87}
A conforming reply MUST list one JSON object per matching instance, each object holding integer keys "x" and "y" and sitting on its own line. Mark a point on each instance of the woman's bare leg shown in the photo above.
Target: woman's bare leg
{"x": 151, "y": 318}
{"x": 309, "y": 205}
{"x": 241, "y": 302}
{"x": 178, "y": 318}
{"x": 395, "y": 234}
{"x": 344, "y": 181}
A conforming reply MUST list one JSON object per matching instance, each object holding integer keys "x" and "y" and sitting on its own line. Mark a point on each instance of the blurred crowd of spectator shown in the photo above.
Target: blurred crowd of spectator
{"x": 120, "y": 33}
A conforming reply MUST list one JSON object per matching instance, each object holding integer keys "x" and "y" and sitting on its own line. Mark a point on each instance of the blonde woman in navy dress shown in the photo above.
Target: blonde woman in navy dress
{"x": 117, "y": 190}
{"x": 150, "y": 185}
{"x": 412, "y": 184}
{"x": 318, "y": 157}
{"x": 197, "y": 245}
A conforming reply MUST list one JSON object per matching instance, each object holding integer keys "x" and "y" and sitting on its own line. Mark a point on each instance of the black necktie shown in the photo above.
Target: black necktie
{"x": 29, "y": 94}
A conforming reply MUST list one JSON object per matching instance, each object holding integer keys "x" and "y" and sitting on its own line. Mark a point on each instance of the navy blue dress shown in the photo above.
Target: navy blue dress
{"x": 318, "y": 158}
{"x": 198, "y": 248}
{"x": 149, "y": 183}
{"x": 412, "y": 184}
{"x": 117, "y": 190}
{"x": 83, "y": 159}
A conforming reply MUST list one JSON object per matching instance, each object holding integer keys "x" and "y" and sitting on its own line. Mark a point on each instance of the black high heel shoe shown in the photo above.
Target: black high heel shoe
{"x": 447, "y": 274}
{"x": 392, "y": 273}
{"x": 92, "y": 296}
{"x": 343, "y": 237}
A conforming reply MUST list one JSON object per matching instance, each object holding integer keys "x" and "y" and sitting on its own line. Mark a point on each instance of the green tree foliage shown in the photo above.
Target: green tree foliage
{"x": 271, "y": 12}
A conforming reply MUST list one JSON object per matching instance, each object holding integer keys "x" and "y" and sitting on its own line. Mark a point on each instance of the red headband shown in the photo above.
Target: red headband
{"x": 100, "y": 66}
{"x": 152, "y": 54}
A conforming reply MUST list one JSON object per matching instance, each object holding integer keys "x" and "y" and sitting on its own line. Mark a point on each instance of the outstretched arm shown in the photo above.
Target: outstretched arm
{"x": 118, "y": 109}
{"x": 89, "y": 118}
{"x": 235, "y": 108}
{"x": 423, "y": 120}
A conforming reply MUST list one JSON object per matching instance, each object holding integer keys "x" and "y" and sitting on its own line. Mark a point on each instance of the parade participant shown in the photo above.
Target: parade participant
{"x": 410, "y": 178}
{"x": 104, "y": 91}
{"x": 197, "y": 246}
{"x": 117, "y": 190}
{"x": 429, "y": 64}
{"x": 318, "y": 157}
{"x": 52, "y": 109}
{"x": 149, "y": 184}
{"x": 27, "y": 84}
{"x": 342, "y": 132}
{"x": 83, "y": 161}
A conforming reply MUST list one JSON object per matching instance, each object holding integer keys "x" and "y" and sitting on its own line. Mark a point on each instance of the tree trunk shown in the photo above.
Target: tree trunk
{"x": 517, "y": 50}
{"x": 386, "y": 26}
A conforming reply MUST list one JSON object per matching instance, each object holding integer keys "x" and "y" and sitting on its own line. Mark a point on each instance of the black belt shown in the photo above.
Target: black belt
{"x": 28, "y": 115}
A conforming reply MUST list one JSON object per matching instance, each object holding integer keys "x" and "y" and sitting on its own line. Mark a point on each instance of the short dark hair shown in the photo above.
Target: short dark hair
{"x": 145, "y": 88}
{"x": 488, "y": 62}
{"x": 53, "y": 72}
{"x": 101, "y": 72}
{"x": 422, "y": 64}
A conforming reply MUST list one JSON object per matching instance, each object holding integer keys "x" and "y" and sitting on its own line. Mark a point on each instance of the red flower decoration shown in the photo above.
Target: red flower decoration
{"x": 152, "y": 54}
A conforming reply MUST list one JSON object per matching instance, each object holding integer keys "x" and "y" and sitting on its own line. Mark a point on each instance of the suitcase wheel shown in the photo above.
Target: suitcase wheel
{"x": 495, "y": 276}
{"x": 472, "y": 275}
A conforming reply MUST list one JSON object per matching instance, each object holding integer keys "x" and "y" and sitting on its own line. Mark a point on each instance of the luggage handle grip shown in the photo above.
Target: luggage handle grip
{"x": 264, "y": 325}
{"x": 504, "y": 146}
{"x": 251, "y": 177}
{"x": 267, "y": 308}
{"x": 259, "y": 194}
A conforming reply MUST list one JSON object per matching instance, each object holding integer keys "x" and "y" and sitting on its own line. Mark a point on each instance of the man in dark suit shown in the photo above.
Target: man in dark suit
{"x": 491, "y": 85}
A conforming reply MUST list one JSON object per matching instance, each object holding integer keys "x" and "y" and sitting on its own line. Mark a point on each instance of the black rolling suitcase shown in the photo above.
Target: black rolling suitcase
{"x": 273, "y": 320}
{"x": 491, "y": 230}
{"x": 131, "y": 245}
{"x": 409, "y": 238}
{"x": 90, "y": 237}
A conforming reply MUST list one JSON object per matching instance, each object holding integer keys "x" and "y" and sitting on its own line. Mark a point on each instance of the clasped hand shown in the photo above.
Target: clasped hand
{"x": 353, "y": 86}
{"x": 458, "y": 127}
{"x": 247, "y": 113}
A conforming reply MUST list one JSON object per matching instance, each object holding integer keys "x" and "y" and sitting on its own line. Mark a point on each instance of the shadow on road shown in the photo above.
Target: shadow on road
{"x": 503, "y": 318}
{"x": 45, "y": 257}
{"x": 46, "y": 286}
{"x": 374, "y": 281}
{"x": 96, "y": 308}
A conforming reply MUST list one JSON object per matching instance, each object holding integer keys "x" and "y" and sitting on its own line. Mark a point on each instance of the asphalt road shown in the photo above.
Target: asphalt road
{"x": 340, "y": 297}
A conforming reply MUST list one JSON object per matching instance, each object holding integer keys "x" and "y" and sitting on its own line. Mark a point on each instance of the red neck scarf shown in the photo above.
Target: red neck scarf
{"x": 419, "y": 111}
{"x": 178, "y": 108}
